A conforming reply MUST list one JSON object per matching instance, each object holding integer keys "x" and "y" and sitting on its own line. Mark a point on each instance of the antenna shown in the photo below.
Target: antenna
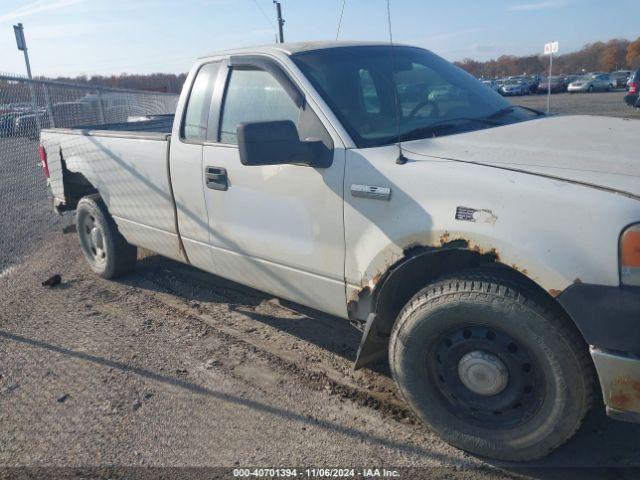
{"x": 340, "y": 19}
{"x": 401, "y": 160}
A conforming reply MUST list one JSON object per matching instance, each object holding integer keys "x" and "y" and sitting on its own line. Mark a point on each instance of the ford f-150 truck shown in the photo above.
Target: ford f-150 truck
{"x": 491, "y": 251}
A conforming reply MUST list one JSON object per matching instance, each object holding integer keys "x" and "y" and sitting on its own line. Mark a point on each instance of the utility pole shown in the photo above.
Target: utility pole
{"x": 280, "y": 21}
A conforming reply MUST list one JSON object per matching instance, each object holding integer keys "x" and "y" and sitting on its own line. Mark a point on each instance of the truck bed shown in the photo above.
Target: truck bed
{"x": 155, "y": 127}
{"x": 127, "y": 164}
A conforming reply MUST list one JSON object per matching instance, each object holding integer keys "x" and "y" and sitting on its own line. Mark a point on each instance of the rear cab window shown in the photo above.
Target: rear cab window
{"x": 194, "y": 124}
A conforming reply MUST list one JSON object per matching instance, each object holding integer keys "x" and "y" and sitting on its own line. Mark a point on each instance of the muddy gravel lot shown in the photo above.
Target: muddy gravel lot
{"x": 599, "y": 103}
{"x": 172, "y": 367}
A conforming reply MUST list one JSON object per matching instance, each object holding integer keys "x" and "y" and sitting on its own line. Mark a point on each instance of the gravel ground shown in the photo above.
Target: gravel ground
{"x": 604, "y": 103}
{"x": 24, "y": 201}
{"x": 173, "y": 367}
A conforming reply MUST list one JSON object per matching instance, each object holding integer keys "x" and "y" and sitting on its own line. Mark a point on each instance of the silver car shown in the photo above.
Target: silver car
{"x": 592, "y": 83}
{"x": 492, "y": 84}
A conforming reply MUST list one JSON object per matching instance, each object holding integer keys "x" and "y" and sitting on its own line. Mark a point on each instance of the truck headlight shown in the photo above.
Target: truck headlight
{"x": 630, "y": 256}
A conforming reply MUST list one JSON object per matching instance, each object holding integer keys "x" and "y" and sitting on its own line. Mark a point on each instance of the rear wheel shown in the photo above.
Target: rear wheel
{"x": 105, "y": 249}
{"x": 489, "y": 368}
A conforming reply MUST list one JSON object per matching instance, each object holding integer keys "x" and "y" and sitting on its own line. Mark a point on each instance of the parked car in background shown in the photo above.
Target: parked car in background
{"x": 533, "y": 81}
{"x": 492, "y": 84}
{"x": 446, "y": 92}
{"x": 28, "y": 125}
{"x": 556, "y": 83}
{"x": 621, "y": 77}
{"x": 7, "y": 124}
{"x": 569, "y": 79}
{"x": 592, "y": 83}
{"x": 631, "y": 98}
{"x": 514, "y": 87}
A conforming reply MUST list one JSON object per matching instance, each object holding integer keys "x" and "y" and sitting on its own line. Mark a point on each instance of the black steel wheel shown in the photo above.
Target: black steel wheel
{"x": 486, "y": 377}
{"x": 491, "y": 366}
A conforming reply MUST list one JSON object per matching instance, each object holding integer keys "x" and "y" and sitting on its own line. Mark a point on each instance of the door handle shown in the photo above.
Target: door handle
{"x": 216, "y": 178}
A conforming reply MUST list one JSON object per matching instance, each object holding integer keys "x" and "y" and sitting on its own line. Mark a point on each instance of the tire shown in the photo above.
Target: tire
{"x": 105, "y": 249}
{"x": 590, "y": 89}
{"x": 609, "y": 88}
{"x": 481, "y": 322}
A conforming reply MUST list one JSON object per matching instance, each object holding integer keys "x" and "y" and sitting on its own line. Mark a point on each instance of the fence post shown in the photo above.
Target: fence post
{"x": 100, "y": 110}
{"x": 34, "y": 104}
{"x": 47, "y": 99}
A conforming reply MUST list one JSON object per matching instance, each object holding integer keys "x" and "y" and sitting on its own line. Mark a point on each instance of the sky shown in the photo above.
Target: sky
{"x": 103, "y": 37}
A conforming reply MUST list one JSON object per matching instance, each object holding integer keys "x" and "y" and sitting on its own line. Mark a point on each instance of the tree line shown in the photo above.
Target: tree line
{"x": 608, "y": 56}
{"x": 155, "y": 82}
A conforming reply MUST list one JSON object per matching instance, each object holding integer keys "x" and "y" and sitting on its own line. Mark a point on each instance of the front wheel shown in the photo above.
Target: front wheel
{"x": 486, "y": 365}
{"x": 105, "y": 249}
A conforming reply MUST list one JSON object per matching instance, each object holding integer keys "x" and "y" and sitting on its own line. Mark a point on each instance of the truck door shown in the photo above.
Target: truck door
{"x": 278, "y": 228}
{"x": 187, "y": 138}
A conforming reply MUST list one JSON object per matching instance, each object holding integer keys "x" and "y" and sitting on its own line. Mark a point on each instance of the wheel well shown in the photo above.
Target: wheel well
{"x": 76, "y": 186}
{"x": 423, "y": 266}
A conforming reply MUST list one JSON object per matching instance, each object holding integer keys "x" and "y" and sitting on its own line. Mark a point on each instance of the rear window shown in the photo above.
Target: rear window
{"x": 194, "y": 126}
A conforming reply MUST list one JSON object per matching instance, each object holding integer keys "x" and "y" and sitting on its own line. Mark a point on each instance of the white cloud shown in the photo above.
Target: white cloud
{"x": 526, "y": 7}
{"x": 452, "y": 34}
{"x": 484, "y": 48}
{"x": 38, "y": 6}
{"x": 49, "y": 32}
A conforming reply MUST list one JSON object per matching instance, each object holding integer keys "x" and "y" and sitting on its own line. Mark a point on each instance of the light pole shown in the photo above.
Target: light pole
{"x": 22, "y": 45}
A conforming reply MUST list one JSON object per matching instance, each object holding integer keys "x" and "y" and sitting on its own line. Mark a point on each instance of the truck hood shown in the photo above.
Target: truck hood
{"x": 601, "y": 152}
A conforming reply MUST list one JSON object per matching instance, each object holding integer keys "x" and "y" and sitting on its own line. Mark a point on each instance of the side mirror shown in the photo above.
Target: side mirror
{"x": 277, "y": 143}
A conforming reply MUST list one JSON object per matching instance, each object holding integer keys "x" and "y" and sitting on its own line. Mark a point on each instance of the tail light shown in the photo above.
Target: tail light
{"x": 43, "y": 160}
{"x": 630, "y": 256}
{"x": 633, "y": 87}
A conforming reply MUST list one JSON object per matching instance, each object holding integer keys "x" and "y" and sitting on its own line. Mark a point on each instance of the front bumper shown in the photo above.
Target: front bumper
{"x": 581, "y": 88}
{"x": 620, "y": 382}
{"x": 609, "y": 320}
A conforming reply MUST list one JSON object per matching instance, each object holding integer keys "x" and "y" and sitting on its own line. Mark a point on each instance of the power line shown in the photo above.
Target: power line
{"x": 340, "y": 19}
{"x": 264, "y": 14}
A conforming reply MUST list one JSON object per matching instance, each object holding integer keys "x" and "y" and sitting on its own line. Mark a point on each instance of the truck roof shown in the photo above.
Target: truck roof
{"x": 296, "y": 47}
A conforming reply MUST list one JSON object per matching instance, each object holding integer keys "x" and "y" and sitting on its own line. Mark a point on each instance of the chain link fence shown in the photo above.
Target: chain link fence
{"x": 26, "y": 107}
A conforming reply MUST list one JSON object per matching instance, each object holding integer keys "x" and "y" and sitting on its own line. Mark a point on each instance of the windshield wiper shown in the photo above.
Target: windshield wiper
{"x": 444, "y": 124}
{"x": 511, "y": 108}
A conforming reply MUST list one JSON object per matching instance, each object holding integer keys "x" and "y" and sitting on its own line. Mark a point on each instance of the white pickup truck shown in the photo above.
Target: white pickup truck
{"x": 492, "y": 251}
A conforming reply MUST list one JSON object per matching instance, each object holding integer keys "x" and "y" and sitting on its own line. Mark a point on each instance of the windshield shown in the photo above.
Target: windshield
{"x": 513, "y": 82}
{"x": 378, "y": 105}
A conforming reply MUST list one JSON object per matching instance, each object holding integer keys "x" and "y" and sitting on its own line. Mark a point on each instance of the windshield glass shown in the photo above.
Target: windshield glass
{"x": 378, "y": 104}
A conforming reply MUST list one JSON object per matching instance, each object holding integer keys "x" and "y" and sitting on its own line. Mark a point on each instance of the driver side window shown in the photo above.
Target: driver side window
{"x": 252, "y": 96}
